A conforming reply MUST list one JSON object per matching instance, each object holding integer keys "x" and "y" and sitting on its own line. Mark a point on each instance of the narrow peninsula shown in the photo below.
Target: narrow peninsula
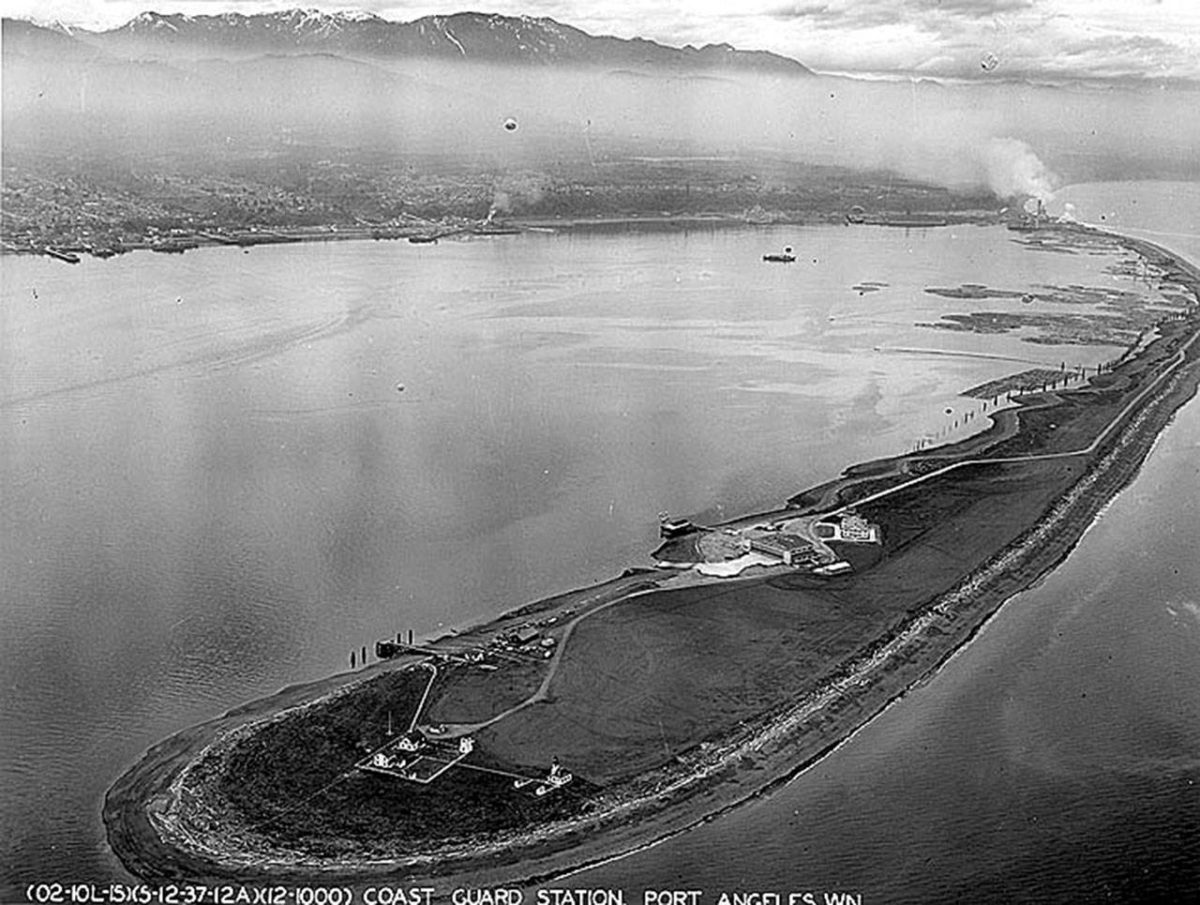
{"x": 595, "y": 722}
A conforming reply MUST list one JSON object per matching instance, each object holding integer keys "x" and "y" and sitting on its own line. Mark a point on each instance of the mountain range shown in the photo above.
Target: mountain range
{"x": 467, "y": 36}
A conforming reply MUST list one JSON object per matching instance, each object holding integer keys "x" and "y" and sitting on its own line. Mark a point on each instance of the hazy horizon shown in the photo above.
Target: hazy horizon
{"x": 988, "y": 40}
{"x": 1008, "y": 138}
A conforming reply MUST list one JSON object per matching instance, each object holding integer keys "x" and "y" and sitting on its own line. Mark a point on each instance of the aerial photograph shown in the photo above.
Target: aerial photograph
{"x": 599, "y": 453}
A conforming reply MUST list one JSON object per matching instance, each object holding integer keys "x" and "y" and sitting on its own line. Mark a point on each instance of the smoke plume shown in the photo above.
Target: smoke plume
{"x": 1013, "y": 169}
{"x": 514, "y": 191}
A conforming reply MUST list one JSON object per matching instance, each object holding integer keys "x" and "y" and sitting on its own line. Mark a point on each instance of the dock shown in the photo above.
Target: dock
{"x": 61, "y": 255}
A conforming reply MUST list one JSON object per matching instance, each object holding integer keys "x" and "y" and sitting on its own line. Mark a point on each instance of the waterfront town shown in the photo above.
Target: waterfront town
{"x": 67, "y": 207}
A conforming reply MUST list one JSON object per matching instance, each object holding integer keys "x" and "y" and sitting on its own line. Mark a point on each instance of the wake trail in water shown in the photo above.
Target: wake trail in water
{"x": 246, "y": 352}
{"x": 947, "y": 353}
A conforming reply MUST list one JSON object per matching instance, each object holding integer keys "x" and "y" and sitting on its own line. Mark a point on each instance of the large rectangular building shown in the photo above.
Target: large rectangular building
{"x": 790, "y": 548}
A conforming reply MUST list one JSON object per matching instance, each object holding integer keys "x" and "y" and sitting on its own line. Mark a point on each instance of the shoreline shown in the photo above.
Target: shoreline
{"x": 788, "y": 740}
{"x": 460, "y": 230}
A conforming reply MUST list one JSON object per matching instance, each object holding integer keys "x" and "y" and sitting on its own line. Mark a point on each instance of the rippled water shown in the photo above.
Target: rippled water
{"x": 220, "y": 472}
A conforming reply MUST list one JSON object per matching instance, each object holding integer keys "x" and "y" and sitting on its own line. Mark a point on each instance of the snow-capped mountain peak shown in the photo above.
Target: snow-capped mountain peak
{"x": 483, "y": 37}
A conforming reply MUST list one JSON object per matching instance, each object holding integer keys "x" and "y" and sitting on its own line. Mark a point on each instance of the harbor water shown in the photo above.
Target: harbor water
{"x": 222, "y": 472}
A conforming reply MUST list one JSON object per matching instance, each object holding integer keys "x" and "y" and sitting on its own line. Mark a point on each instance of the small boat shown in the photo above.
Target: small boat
{"x": 422, "y": 240}
{"x": 780, "y": 259}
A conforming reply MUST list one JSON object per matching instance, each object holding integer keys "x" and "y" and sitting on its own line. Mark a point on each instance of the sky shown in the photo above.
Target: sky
{"x": 943, "y": 38}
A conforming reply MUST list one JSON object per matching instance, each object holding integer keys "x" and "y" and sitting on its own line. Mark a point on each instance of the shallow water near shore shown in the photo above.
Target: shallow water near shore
{"x": 222, "y": 472}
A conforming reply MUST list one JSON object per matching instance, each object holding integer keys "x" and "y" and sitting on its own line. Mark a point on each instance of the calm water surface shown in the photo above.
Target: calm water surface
{"x": 219, "y": 473}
